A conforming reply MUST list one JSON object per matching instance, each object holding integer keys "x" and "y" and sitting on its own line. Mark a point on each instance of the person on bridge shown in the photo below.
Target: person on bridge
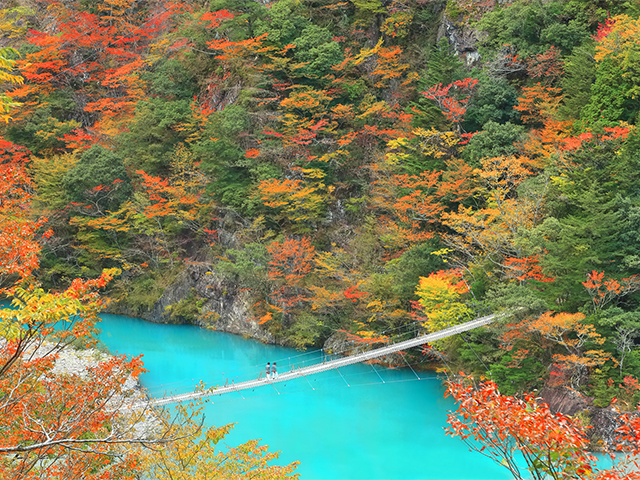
{"x": 268, "y": 370}
{"x": 274, "y": 371}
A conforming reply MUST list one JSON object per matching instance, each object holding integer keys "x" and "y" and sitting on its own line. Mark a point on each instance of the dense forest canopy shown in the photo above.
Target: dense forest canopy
{"x": 350, "y": 166}
{"x": 367, "y": 167}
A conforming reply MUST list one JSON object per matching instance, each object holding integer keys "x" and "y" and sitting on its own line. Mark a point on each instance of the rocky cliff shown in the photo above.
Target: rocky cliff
{"x": 603, "y": 421}
{"x": 457, "y": 25}
{"x": 201, "y": 297}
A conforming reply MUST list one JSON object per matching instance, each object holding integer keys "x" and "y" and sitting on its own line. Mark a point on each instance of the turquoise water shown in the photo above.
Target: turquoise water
{"x": 367, "y": 430}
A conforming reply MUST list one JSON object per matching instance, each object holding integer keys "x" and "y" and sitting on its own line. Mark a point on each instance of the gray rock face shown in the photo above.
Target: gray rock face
{"x": 463, "y": 37}
{"x": 69, "y": 361}
{"x": 223, "y": 306}
{"x": 463, "y": 40}
{"x": 78, "y": 362}
{"x": 565, "y": 401}
{"x": 604, "y": 421}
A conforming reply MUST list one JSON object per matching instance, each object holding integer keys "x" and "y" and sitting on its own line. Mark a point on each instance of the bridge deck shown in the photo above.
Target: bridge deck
{"x": 322, "y": 367}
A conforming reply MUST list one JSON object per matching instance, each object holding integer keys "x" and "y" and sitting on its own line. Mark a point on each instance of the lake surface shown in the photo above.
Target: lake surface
{"x": 363, "y": 422}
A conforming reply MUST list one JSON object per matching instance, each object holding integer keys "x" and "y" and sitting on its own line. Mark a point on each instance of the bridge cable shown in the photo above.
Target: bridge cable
{"x": 345, "y": 380}
{"x": 241, "y": 394}
{"x": 441, "y": 356}
{"x": 374, "y": 369}
{"x": 274, "y": 387}
{"x": 305, "y": 377}
{"x": 405, "y": 361}
{"x": 230, "y": 399}
{"x": 474, "y": 352}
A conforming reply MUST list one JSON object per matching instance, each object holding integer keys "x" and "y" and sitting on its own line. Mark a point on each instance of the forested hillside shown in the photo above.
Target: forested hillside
{"x": 371, "y": 167}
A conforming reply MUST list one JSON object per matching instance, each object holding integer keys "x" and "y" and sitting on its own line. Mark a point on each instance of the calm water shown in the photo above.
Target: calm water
{"x": 367, "y": 430}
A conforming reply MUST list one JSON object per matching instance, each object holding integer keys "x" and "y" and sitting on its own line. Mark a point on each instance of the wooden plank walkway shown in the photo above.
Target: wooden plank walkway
{"x": 324, "y": 366}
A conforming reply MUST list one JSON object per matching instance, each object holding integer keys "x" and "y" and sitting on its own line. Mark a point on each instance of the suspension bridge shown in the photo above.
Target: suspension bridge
{"x": 324, "y": 366}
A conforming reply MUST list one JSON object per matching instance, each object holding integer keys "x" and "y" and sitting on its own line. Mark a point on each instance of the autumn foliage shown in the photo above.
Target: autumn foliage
{"x": 520, "y": 434}
{"x": 21, "y": 237}
{"x": 58, "y": 426}
{"x": 112, "y": 39}
{"x": 453, "y": 98}
{"x": 604, "y": 290}
{"x": 439, "y": 295}
{"x": 311, "y": 157}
